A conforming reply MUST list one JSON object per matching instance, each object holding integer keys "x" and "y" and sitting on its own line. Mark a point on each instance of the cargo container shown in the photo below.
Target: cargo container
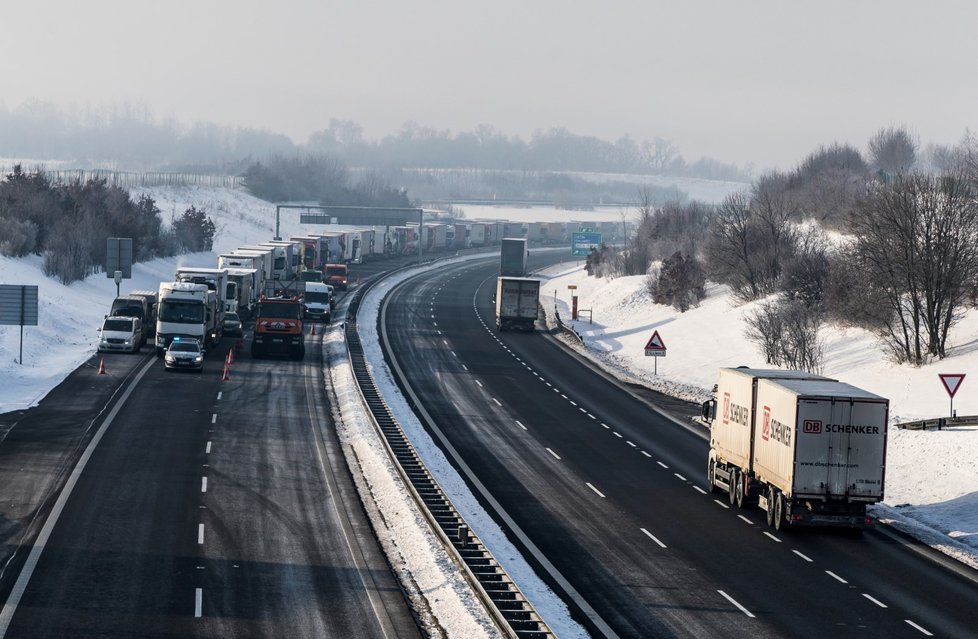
{"x": 517, "y": 303}
{"x": 512, "y": 257}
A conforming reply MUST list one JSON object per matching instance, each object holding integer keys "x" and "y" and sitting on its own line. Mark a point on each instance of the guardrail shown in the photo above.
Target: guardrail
{"x": 501, "y": 596}
{"x": 570, "y": 330}
{"x": 940, "y": 423}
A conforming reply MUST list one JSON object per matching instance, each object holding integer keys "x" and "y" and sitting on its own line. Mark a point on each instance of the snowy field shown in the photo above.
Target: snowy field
{"x": 931, "y": 478}
{"x": 932, "y": 485}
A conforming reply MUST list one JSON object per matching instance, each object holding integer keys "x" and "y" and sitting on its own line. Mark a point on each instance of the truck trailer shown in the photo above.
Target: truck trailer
{"x": 807, "y": 449}
{"x": 189, "y": 311}
{"x": 512, "y": 257}
{"x": 517, "y": 303}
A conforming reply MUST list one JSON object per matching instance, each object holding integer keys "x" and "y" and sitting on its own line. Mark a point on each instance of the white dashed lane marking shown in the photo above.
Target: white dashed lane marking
{"x": 556, "y": 456}
{"x": 836, "y": 577}
{"x": 803, "y": 556}
{"x": 875, "y": 600}
{"x": 598, "y": 492}
{"x": 734, "y": 602}
{"x": 652, "y": 537}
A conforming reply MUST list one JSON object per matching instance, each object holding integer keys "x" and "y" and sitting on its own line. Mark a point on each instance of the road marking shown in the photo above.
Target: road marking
{"x": 681, "y": 478}
{"x": 439, "y": 332}
{"x": 580, "y": 409}
{"x": 618, "y": 435}
{"x": 632, "y": 444}
{"x": 208, "y": 449}
{"x": 835, "y": 576}
{"x": 744, "y": 519}
{"x": 772, "y": 536}
{"x": 556, "y": 456}
{"x": 591, "y": 416}
{"x": 549, "y": 384}
{"x": 564, "y": 396}
{"x": 573, "y": 403}
{"x": 652, "y": 537}
{"x": 734, "y": 602}
{"x": 717, "y": 501}
{"x": 875, "y": 600}
{"x": 445, "y": 342}
{"x": 219, "y": 394}
{"x": 200, "y": 534}
{"x": 479, "y": 383}
{"x": 646, "y": 454}
{"x": 497, "y": 401}
{"x": 203, "y": 484}
{"x": 214, "y": 418}
{"x": 199, "y": 602}
{"x": 803, "y": 556}
{"x": 453, "y": 353}
{"x": 698, "y": 489}
{"x": 600, "y": 494}
{"x": 924, "y": 631}
{"x": 464, "y": 367}
{"x": 658, "y": 462}
{"x": 520, "y": 425}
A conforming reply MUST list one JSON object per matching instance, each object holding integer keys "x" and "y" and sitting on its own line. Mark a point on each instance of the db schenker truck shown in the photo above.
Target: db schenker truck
{"x": 808, "y": 450}
{"x": 517, "y": 303}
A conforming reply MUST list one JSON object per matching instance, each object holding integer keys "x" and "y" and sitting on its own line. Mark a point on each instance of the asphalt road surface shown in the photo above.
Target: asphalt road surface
{"x": 612, "y": 493}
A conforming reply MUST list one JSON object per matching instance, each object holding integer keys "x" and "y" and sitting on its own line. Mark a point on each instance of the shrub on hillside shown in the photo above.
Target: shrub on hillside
{"x": 679, "y": 282}
{"x": 17, "y": 237}
{"x": 788, "y": 334}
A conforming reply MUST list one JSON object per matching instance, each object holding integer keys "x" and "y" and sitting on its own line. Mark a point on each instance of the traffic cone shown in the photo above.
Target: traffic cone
{"x": 227, "y": 373}
{"x": 101, "y": 367}
{"x": 230, "y": 357}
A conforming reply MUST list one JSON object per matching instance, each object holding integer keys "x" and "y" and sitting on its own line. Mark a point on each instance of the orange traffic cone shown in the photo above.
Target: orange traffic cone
{"x": 227, "y": 373}
{"x": 230, "y": 357}
{"x": 101, "y": 367}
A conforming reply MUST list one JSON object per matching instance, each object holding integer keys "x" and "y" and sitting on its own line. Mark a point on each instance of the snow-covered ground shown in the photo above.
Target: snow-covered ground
{"x": 932, "y": 486}
{"x": 931, "y": 478}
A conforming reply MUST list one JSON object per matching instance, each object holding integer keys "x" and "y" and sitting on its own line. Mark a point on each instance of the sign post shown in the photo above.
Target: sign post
{"x": 573, "y": 289}
{"x": 656, "y": 348}
{"x": 952, "y": 382}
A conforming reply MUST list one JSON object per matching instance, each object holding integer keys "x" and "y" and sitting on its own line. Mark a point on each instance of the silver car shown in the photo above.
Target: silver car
{"x": 184, "y": 353}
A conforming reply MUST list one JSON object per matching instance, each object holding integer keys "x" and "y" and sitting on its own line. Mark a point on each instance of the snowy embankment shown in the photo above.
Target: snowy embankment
{"x": 931, "y": 480}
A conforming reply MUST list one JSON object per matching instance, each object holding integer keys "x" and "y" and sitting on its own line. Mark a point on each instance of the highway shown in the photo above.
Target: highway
{"x": 612, "y": 493}
{"x": 209, "y": 508}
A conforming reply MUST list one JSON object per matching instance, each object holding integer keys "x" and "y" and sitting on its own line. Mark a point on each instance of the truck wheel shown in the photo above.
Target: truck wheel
{"x": 711, "y": 477}
{"x": 739, "y": 492}
{"x": 769, "y": 511}
{"x": 732, "y": 491}
{"x": 779, "y": 512}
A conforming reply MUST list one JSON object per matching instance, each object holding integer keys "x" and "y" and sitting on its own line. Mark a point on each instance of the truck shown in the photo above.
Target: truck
{"x": 216, "y": 279}
{"x": 309, "y": 250}
{"x": 254, "y": 261}
{"x": 246, "y": 289}
{"x": 188, "y": 310}
{"x": 278, "y": 328}
{"x": 152, "y": 303}
{"x": 133, "y": 306}
{"x": 808, "y": 450}
{"x": 317, "y": 301}
{"x": 266, "y": 263}
{"x": 337, "y": 275}
{"x": 517, "y": 303}
{"x": 512, "y": 257}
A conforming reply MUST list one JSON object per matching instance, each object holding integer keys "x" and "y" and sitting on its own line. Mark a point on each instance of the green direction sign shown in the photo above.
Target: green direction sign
{"x": 583, "y": 242}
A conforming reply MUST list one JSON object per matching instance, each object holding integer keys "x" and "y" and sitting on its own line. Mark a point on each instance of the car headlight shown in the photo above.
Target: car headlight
{"x": 170, "y": 359}
{"x": 199, "y": 358}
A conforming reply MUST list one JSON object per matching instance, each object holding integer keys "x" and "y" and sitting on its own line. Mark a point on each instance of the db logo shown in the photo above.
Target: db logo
{"x": 812, "y": 426}
{"x": 766, "y": 431}
{"x": 726, "y": 408}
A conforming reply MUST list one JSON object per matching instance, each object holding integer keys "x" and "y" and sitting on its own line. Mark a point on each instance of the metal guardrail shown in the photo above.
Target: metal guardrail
{"x": 501, "y": 596}
{"x": 570, "y": 330}
{"x": 940, "y": 423}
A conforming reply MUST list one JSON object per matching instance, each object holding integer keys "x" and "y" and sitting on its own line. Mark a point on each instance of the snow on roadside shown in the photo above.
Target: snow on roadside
{"x": 931, "y": 482}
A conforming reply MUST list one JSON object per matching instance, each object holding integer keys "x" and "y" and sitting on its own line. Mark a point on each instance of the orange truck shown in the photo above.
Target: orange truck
{"x": 278, "y": 328}
{"x": 336, "y": 275}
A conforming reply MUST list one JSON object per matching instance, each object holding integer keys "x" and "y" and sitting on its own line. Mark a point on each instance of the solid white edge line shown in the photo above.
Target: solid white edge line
{"x": 198, "y": 602}
{"x": 803, "y": 556}
{"x": 875, "y": 600}
{"x": 836, "y": 577}
{"x": 556, "y": 456}
{"x": 920, "y": 628}
{"x": 600, "y": 494}
{"x": 652, "y": 537}
{"x": 13, "y": 599}
{"x": 734, "y": 602}
{"x": 772, "y": 536}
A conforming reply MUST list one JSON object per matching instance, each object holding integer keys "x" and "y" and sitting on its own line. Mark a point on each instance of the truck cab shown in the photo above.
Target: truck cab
{"x": 278, "y": 328}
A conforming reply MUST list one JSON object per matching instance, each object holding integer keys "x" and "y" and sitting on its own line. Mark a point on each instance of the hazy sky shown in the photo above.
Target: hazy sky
{"x": 759, "y": 81}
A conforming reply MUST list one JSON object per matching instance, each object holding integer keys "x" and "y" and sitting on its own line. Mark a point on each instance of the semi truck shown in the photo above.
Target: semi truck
{"x": 512, "y": 257}
{"x": 808, "y": 450}
{"x": 188, "y": 310}
{"x": 216, "y": 279}
{"x": 517, "y": 303}
{"x": 246, "y": 284}
{"x": 254, "y": 261}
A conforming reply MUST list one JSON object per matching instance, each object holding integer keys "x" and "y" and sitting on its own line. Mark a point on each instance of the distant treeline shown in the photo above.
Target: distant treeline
{"x": 318, "y": 178}
{"x": 68, "y": 224}
{"x": 131, "y": 138}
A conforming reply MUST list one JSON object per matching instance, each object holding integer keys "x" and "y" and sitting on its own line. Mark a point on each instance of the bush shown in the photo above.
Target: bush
{"x": 17, "y": 237}
{"x": 788, "y": 333}
{"x": 194, "y": 231}
{"x": 679, "y": 282}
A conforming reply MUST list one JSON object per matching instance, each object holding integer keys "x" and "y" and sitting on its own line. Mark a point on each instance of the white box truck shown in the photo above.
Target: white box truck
{"x": 810, "y": 450}
{"x": 517, "y": 303}
{"x": 187, "y": 310}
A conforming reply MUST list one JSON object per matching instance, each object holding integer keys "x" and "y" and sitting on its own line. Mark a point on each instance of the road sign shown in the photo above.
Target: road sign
{"x": 952, "y": 382}
{"x": 118, "y": 257}
{"x": 572, "y": 287}
{"x": 655, "y": 347}
{"x": 582, "y": 243}
{"x": 18, "y": 307}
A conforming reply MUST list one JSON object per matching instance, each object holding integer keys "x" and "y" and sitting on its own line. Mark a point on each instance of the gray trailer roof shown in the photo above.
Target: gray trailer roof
{"x": 827, "y": 389}
{"x": 776, "y": 373}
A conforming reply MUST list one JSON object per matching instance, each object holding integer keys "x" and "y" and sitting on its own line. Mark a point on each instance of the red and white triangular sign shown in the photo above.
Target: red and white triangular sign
{"x": 952, "y": 382}
{"x": 655, "y": 343}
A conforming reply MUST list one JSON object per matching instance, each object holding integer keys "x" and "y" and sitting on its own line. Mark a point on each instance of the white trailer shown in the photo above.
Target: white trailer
{"x": 216, "y": 279}
{"x": 517, "y": 303}
{"x": 246, "y": 281}
{"x": 253, "y": 261}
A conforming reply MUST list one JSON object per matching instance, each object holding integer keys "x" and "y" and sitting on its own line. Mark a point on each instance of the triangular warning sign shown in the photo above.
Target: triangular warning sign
{"x": 952, "y": 382}
{"x": 655, "y": 343}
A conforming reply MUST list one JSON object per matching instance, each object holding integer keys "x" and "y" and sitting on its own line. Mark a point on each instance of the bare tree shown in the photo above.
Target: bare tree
{"x": 917, "y": 241}
{"x": 893, "y": 149}
{"x": 789, "y": 334}
{"x": 659, "y": 154}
